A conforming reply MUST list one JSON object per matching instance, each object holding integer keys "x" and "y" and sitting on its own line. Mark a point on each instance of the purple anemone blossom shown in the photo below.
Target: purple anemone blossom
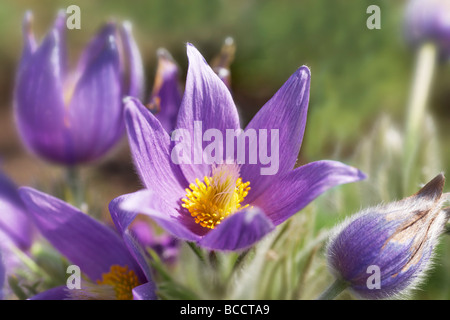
{"x": 112, "y": 262}
{"x": 384, "y": 252}
{"x": 16, "y": 229}
{"x": 166, "y": 94}
{"x": 225, "y": 200}
{"x": 75, "y": 117}
{"x": 2, "y": 275}
{"x": 165, "y": 98}
{"x": 164, "y": 245}
{"x": 429, "y": 21}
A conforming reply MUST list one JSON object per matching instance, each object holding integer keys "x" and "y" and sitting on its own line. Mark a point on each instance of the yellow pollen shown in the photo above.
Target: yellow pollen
{"x": 216, "y": 197}
{"x": 122, "y": 280}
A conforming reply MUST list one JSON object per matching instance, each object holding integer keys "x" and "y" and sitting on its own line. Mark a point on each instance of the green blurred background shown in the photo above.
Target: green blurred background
{"x": 357, "y": 75}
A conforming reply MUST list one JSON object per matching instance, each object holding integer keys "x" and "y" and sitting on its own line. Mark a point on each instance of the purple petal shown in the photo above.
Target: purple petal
{"x": 95, "y": 46}
{"x": 284, "y": 113}
{"x": 39, "y": 106}
{"x": 292, "y": 191}
{"x": 85, "y": 241}
{"x": 29, "y": 42}
{"x": 166, "y": 95}
{"x": 238, "y": 231}
{"x": 14, "y": 223}
{"x": 150, "y": 147}
{"x": 147, "y": 202}
{"x": 207, "y": 101}
{"x": 145, "y": 291}
{"x": 95, "y": 112}
{"x": 122, "y": 220}
{"x": 57, "y": 293}
{"x": 136, "y": 77}
{"x": 2, "y": 276}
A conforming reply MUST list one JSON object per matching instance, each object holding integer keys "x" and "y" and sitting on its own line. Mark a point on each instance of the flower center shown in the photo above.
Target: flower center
{"x": 122, "y": 280}
{"x": 220, "y": 195}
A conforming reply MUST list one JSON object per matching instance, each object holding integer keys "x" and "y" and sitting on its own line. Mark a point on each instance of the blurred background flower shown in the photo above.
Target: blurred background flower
{"x": 75, "y": 116}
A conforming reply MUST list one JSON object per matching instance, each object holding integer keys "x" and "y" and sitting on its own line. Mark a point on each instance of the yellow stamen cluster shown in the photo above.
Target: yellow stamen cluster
{"x": 218, "y": 196}
{"x": 122, "y": 280}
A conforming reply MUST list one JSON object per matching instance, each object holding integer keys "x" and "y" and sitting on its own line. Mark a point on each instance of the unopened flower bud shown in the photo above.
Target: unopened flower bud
{"x": 384, "y": 251}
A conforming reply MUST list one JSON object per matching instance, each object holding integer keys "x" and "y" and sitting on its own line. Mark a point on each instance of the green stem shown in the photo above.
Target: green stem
{"x": 334, "y": 290}
{"x": 197, "y": 251}
{"x": 75, "y": 187}
{"x": 423, "y": 75}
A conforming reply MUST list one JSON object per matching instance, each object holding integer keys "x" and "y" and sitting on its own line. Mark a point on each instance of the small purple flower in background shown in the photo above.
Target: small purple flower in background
{"x": 113, "y": 264}
{"x": 164, "y": 245}
{"x": 397, "y": 239}
{"x": 221, "y": 63}
{"x": 224, "y": 206}
{"x": 16, "y": 231}
{"x": 2, "y": 275}
{"x": 165, "y": 98}
{"x": 429, "y": 21}
{"x": 75, "y": 117}
{"x": 15, "y": 227}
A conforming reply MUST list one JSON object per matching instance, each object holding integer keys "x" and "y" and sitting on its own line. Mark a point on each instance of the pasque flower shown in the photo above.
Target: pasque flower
{"x": 429, "y": 21}
{"x": 165, "y": 98}
{"x": 112, "y": 262}
{"x": 75, "y": 116}
{"x": 223, "y": 202}
{"x": 166, "y": 94}
{"x": 397, "y": 240}
{"x": 163, "y": 244}
{"x": 15, "y": 227}
{"x": 16, "y": 231}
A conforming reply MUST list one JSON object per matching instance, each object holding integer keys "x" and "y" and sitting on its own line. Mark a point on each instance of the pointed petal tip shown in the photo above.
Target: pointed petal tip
{"x": 304, "y": 72}
{"x": 433, "y": 189}
{"x": 127, "y": 26}
{"x": 60, "y": 21}
{"x": 27, "y": 20}
{"x": 163, "y": 53}
{"x": 229, "y": 41}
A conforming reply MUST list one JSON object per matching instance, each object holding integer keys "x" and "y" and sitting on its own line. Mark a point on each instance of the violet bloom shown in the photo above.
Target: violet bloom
{"x": 429, "y": 21}
{"x": 15, "y": 228}
{"x": 164, "y": 245}
{"x": 113, "y": 264}
{"x": 75, "y": 117}
{"x": 384, "y": 252}
{"x": 2, "y": 275}
{"x": 207, "y": 199}
{"x": 165, "y": 98}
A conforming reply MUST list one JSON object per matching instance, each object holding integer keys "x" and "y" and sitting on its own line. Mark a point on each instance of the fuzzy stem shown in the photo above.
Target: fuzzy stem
{"x": 334, "y": 290}
{"x": 423, "y": 75}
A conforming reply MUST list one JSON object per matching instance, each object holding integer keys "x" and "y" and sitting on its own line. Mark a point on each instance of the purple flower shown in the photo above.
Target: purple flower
{"x": 75, "y": 117}
{"x": 15, "y": 228}
{"x": 114, "y": 264}
{"x": 164, "y": 245}
{"x": 2, "y": 275}
{"x": 226, "y": 204}
{"x": 429, "y": 21}
{"x": 165, "y": 98}
{"x": 384, "y": 251}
